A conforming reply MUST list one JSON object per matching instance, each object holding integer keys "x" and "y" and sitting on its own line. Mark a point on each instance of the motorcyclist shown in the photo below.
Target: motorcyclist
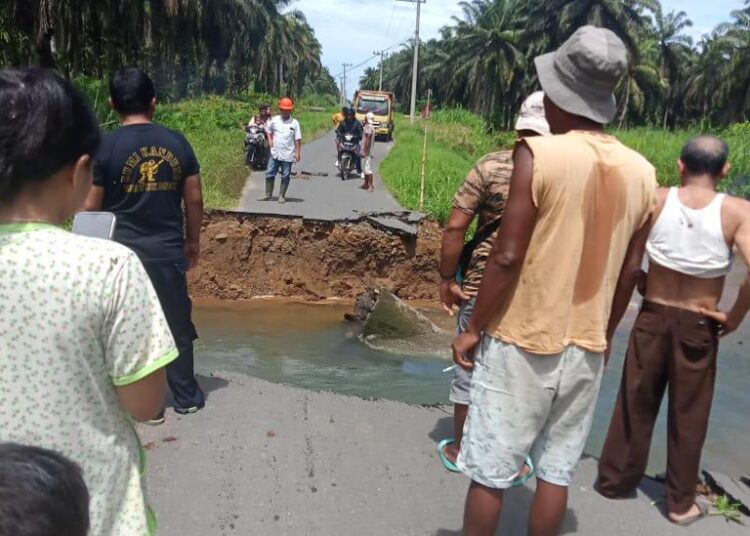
{"x": 338, "y": 117}
{"x": 263, "y": 117}
{"x": 350, "y": 125}
{"x": 261, "y": 120}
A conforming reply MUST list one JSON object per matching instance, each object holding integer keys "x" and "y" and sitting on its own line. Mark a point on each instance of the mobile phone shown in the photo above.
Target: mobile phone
{"x": 95, "y": 224}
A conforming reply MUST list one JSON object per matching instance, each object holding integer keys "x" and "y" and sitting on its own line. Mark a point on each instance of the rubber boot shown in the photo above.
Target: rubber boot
{"x": 269, "y": 191}
{"x": 282, "y": 192}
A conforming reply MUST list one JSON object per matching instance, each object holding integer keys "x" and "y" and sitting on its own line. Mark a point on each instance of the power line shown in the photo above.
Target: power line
{"x": 368, "y": 60}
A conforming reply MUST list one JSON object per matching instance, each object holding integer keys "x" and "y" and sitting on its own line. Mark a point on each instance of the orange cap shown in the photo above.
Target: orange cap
{"x": 286, "y": 104}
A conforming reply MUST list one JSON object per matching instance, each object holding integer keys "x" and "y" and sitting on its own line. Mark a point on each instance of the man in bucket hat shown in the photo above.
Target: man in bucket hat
{"x": 537, "y": 338}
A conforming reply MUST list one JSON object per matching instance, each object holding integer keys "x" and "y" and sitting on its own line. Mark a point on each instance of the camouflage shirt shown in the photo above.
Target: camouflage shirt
{"x": 484, "y": 193}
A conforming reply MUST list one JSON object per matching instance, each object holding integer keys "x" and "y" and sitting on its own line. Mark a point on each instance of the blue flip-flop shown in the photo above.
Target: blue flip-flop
{"x": 517, "y": 483}
{"x": 449, "y": 465}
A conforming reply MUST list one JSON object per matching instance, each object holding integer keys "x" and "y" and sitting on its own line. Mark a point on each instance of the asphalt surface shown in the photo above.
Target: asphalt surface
{"x": 268, "y": 459}
{"x": 324, "y": 198}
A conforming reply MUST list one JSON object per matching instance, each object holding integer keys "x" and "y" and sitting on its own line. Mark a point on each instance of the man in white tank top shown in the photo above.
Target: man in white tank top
{"x": 675, "y": 337}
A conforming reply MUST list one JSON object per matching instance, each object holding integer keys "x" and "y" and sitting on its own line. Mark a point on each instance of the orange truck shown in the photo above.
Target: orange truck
{"x": 380, "y": 103}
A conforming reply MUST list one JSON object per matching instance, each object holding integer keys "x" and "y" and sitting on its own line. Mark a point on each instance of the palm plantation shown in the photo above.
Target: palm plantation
{"x": 191, "y": 46}
{"x": 483, "y": 60}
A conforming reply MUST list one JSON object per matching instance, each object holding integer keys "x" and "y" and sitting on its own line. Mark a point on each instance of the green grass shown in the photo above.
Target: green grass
{"x": 215, "y": 128}
{"x": 456, "y": 139}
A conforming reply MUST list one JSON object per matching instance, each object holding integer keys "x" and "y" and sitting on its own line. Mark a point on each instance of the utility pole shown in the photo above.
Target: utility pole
{"x": 413, "y": 108}
{"x": 382, "y": 61}
{"x": 343, "y": 92}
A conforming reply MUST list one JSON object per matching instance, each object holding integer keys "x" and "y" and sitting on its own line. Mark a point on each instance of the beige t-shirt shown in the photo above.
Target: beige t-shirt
{"x": 78, "y": 316}
{"x": 592, "y": 194}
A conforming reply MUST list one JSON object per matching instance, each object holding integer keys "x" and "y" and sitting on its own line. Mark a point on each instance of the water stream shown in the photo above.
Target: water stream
{"x": 311, "y": 346}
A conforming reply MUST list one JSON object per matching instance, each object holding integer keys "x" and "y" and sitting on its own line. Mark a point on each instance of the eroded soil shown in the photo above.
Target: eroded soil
{"x": 247, "y": 256}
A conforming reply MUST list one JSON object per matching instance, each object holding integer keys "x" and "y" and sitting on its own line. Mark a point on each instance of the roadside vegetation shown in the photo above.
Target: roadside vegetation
{"x": 214, "y": 125}
{"x": 456, "y": 139}
{"x": 483, "y": 60}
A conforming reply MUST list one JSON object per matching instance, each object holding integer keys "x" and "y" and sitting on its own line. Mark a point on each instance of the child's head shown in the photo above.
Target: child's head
{"x": 48, "y": 137}
{"x": 41, "y": 493}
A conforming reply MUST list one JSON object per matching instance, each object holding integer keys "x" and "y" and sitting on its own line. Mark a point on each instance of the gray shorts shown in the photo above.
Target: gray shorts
{"x": 461, "y": 377}
{"x": 523, "y": 404}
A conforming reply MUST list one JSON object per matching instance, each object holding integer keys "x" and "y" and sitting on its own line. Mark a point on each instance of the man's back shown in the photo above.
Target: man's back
{"x": 142, "y": 169}
{"x": 592, "y": 194}
{"x": 670, "y": 284}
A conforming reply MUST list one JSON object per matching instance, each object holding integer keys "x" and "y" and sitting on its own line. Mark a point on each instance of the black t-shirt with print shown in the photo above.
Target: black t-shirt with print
{"x": 142, "y": 169}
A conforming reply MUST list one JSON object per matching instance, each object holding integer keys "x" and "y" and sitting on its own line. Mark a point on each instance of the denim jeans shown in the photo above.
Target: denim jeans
{"x": 274, "y": 166}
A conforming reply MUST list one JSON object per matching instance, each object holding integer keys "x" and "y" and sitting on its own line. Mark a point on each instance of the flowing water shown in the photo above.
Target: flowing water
{"x": 311, "y": 346}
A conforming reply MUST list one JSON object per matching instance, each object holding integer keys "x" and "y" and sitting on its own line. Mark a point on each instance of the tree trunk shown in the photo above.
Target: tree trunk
{"x": 625, "y": 105}
{"x": 44, "y": 35}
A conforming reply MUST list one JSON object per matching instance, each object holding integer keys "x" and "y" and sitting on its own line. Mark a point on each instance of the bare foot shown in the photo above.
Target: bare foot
{"x": 451, "y": 452}
{"x": 694, "y": 513}
{"x": 371, "y": 189}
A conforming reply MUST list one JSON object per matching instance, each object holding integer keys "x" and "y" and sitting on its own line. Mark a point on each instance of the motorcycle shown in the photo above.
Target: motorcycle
{"x": 256, "y": 149}
{"x": 348, "y": 153}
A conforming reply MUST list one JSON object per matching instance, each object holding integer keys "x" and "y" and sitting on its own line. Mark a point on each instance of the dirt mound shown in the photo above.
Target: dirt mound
{"x": 246, "y": 256}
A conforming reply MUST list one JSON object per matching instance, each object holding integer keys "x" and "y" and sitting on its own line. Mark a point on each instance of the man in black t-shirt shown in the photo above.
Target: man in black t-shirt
{"x": 143, "y": 173}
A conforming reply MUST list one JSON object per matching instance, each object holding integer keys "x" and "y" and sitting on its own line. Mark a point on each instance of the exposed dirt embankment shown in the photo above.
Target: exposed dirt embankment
{"x": 246, "y": 256}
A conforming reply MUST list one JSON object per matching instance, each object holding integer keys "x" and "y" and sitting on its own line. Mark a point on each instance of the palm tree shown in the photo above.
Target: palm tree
{"x": 486, "y": 53}
{"x": 675, "y": 49}
{"x": 626, "y": 18}
{"x": 706, "y": 88}
{"x": 734, "y": 39}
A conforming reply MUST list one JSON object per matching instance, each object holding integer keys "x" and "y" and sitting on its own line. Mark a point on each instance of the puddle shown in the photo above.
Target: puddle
{"x": 311, "y": 346}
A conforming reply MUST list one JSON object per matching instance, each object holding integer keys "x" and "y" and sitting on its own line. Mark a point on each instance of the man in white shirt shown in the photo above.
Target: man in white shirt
{"x": 285, "y": 139}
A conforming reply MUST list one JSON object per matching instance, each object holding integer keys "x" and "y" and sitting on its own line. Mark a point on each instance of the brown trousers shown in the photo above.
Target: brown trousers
{"x": 669, "y": 348}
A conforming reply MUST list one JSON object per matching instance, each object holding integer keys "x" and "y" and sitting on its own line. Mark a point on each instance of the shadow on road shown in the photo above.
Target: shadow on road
{"x": 514, "y": 519}
{"x": 442, "y": 430}
{"x": 209, "y": 384}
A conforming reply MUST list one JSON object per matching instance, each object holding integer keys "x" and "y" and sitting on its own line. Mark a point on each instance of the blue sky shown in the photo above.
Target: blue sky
{"x": 351, "y": 30}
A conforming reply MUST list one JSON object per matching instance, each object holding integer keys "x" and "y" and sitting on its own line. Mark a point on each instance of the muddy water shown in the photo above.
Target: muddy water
{"x": 310, "y": 346}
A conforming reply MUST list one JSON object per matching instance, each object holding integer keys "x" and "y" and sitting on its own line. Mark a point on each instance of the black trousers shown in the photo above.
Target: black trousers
{"x": 170, "y": 283}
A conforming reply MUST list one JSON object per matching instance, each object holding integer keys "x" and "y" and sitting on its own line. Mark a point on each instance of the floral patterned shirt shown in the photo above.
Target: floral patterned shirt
{"x": 78, "y": 317}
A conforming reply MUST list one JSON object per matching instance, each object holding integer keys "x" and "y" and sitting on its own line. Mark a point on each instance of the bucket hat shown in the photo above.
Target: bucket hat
{"x": 580, "y": 77}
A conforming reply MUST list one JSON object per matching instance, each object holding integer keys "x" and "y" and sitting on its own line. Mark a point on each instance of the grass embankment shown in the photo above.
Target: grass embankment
{"x": 456, "y": 139}
{"x": 215, "y": 128}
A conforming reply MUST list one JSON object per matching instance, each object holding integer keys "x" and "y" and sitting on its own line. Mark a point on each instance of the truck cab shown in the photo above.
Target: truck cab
{"x": 380, "y": 103}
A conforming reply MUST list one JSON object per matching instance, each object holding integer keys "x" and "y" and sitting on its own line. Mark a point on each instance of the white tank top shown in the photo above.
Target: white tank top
{"x": 690, "y": 241}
